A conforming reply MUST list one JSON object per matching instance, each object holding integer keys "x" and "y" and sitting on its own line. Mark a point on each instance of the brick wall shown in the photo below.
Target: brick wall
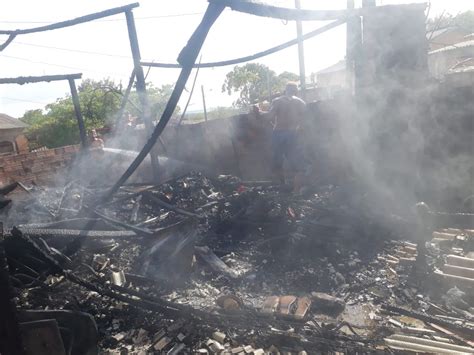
{"x": 40, "y": 167}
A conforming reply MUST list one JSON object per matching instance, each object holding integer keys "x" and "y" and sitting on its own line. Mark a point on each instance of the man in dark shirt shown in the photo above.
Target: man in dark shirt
{"x": 286, "y": 114}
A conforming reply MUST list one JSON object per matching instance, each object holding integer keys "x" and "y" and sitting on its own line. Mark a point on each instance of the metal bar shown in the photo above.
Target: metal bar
{"x": 253, "y": 56}
{"x": 37, "y": 79}
{"x": 76, "y": 21}
{"x": 141, "y": 86}
{"x": 299, "y": 33}
{"x": 260, "y": 9}
{"x": 77, "y": 110}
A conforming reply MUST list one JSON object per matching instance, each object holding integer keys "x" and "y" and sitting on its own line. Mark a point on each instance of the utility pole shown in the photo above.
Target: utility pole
{"x": 299, "y": 32}
{"x": 204, "y": 102}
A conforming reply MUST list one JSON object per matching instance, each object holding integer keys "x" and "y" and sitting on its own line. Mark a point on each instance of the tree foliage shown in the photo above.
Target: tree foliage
{"x": 100, "y": 101}
{"x": 253, "y": 81}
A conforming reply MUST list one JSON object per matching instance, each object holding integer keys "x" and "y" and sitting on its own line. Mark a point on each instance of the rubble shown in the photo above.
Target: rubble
{"x": 217, "y": 268}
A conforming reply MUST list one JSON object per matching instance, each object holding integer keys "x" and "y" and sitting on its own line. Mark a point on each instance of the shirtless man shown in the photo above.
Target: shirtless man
{"x": 96, "y": 141}
{"x": 286, "y": 113}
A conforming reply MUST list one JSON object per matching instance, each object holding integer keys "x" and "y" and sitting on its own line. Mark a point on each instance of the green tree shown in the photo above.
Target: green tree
{"x": 253, "y": 81}
{"x": 100, "y": 101}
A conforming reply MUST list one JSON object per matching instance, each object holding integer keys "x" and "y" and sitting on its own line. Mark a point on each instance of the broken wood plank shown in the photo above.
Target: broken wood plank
{"x": 38, "y": 79}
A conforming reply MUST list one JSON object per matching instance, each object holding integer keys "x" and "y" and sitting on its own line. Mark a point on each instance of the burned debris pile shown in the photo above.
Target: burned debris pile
{"x": 219, "y": 265}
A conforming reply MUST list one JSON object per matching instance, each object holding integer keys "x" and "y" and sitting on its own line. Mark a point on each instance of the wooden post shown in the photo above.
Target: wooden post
{"x": 77, "y": 110}
{"x": 141, "y": 87}
{"x": 204, "y": 102}
{"x": 299, "y": 32}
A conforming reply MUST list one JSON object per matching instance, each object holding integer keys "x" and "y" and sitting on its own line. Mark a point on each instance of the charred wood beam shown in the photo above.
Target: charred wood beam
{"x": 187, "y": 58}
{"x": 7, "y": 42}
{"x": 283, "y": 13}
{"x": 75, "y": 97}
{"x": 253, "y": 56}
{"x": 38, "y": 79}
{"x": 76, "y": 21}
{"x": 141, "y": 86}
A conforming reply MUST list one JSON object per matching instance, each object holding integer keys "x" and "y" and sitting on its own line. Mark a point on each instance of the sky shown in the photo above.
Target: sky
{"x": 100, "y": 49}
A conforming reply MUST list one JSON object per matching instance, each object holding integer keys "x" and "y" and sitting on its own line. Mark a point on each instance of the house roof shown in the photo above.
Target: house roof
{"x": 440, "y": 31}
{"x": 341, "y": 65}
{"x": 7, "y": 122}
{"x": 459, "y": 45}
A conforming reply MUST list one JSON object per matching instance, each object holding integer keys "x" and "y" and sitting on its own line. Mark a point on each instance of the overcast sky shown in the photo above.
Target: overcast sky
{"x": 101, "y": 49}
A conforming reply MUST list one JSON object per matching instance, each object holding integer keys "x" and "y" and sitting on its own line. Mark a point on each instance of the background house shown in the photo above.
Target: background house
{"x": 12, "y": 140}
{"x": 443, "y": 37}
{"x": 456, "y": 57}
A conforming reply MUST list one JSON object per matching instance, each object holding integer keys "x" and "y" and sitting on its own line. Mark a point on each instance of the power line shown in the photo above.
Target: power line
{"x": 111, "y": 20}
{"x": 73, "y": 50}
{"x": 62, "y": 66}
{"x": 22, "y": 100}
{"x": 39, "y": 62}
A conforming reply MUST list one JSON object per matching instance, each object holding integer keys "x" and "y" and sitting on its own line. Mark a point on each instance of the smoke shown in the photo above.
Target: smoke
{"x": 403, "y": 137}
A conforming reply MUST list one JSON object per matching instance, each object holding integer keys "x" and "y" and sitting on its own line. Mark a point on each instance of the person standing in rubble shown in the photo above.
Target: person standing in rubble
{"x": 286, "y": 113}
{"x": 96, "y": 142}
